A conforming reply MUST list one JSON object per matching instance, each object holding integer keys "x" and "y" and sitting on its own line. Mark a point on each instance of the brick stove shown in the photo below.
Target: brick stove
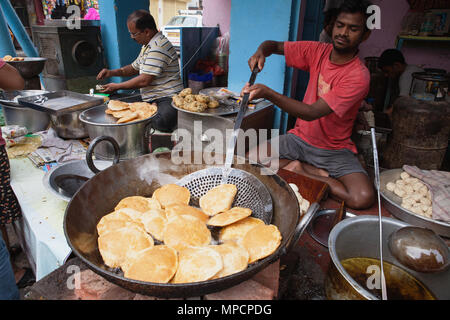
{"x": 60, "y": 285}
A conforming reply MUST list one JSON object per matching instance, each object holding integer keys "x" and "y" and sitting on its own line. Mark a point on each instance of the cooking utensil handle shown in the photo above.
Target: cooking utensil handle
{"x": 93, "y": 144}
{"x": 340, "y": 214}
{"x": 238, "y": 122}
{"x": 304, "y": 222}
{"x": 149, "y": 130}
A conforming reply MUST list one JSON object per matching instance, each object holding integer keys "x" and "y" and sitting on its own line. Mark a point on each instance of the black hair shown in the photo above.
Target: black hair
{"x": 143, "y": 20}
{"x": 330, "y": 16}
{"x": 356, "y": 6}
{"x": 389, "y": 57}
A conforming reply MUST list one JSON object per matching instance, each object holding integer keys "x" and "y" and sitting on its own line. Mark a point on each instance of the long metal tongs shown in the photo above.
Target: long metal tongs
{"x": 377, "y": 182}
{"x": 238, "y": 121}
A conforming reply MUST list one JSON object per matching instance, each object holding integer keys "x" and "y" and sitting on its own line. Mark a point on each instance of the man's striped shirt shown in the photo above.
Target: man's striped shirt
{"x": 160, "y": 59}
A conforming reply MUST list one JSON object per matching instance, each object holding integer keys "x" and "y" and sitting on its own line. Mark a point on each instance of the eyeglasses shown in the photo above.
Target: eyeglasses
{"x": 133, "y": 35}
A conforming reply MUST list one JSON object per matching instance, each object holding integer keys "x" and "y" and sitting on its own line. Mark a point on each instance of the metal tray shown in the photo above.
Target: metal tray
{"x": 222, "y": 110}
{"x": 60, "y": 102}
{"x": 97, "y": 116}
{"x": 10, "y": 98}
{"x": 392, "y": 203}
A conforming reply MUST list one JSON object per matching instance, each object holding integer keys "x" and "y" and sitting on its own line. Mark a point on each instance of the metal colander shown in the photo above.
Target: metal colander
{"x": 252, "y": 193}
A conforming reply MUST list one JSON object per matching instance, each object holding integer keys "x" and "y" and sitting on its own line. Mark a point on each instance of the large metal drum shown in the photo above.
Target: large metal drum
{"x": 420, "y": 132}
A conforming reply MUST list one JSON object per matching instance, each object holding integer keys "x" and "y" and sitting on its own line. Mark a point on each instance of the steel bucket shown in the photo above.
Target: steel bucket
{"x": 358, "y": 237}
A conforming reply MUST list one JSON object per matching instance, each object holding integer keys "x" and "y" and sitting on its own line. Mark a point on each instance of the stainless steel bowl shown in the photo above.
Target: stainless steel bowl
{"x": 393, "y": 204}
{"x": 69, "y": 126}
{"x": 76, "y": 167}
{"x": 133, "y": 138}
{"x": 30, "y": 66}
{"x": 16, "y": 114}
{"x": 358, "y": 237}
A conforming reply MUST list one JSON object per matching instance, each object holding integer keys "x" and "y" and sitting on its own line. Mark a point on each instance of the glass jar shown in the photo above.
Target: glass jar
{"x": 429, "y": 87}
{"x": 427, "y": 26}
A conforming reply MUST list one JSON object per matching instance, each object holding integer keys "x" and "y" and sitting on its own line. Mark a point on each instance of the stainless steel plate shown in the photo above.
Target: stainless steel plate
{"x": 97, "y": 116}
{"x": 221, "y": 110}
{"x": 392, "y": 202}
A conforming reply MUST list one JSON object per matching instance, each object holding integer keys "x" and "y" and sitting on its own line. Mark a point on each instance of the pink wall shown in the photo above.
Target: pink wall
{"x": 217, "y": 12}
{"x": 429, "y": 54}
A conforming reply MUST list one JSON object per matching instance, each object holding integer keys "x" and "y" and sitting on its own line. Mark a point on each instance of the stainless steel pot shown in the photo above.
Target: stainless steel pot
{"x": 358, "y": 237}
{"x": 68, "y": 125}
{"x": 133, "y": 138}
{"x": 16, "y": 114}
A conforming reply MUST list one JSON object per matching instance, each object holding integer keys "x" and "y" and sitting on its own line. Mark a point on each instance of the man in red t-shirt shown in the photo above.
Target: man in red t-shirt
{"x": 320, "y": 146}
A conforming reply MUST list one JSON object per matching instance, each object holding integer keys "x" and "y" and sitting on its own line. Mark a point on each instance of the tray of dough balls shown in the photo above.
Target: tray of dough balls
{"x": 203, "y": 104}
{"x": 410, "y": 200}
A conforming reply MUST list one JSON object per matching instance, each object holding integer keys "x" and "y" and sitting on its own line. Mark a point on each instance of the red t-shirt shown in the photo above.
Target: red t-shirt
{"x": 343, "y": 87}
{"x": 2, "y": 141}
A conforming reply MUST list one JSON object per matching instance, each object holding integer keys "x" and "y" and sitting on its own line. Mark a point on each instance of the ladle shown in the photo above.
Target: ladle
{"x": 419, "y": 249}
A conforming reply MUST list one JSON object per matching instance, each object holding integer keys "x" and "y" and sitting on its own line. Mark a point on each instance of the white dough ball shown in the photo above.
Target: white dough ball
{"x": 399, "y": 191}
{"x": 416, "y": 197}
{"x": 404, "y": 175}
{"x": 409, "y": 189}
{"x": 412, "y": 180}
{"x": 401, "y": 183}
{"x": 294, "y": 187}
{"x": 407, "y": 206}
{"x": 304, "y": 206}
{"x": 416, "y": 186}
{"x": 390, "y": 186}
{"x": 408, "y": 200}
{"x": 424, "y": 207}
{"x": 417, "y": 210}
{"x": 425, "y": 201}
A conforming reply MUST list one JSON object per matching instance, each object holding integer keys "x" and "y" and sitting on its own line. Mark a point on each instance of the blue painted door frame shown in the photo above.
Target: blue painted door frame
{"x": 9, "y": 18}
{"x": 120, "y": 49}
{"x": 254, "y": 21}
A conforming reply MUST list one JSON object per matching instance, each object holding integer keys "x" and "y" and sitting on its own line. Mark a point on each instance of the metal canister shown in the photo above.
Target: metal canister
{"x": 420, "y": 132}
{"x": 429, "y": 86}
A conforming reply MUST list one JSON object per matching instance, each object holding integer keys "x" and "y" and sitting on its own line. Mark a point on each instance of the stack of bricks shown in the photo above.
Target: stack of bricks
{"x": 262, "y": 286}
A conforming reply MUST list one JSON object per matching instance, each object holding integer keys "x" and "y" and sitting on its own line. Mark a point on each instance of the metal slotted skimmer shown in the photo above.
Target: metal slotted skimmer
{"x": 252, "y": 193}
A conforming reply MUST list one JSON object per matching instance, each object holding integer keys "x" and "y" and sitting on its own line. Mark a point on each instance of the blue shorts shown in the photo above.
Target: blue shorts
{"x": 337, "y": 163}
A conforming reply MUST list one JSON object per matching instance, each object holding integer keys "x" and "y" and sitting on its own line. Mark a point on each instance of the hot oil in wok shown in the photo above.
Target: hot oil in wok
{"x": 400, "y": 284}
